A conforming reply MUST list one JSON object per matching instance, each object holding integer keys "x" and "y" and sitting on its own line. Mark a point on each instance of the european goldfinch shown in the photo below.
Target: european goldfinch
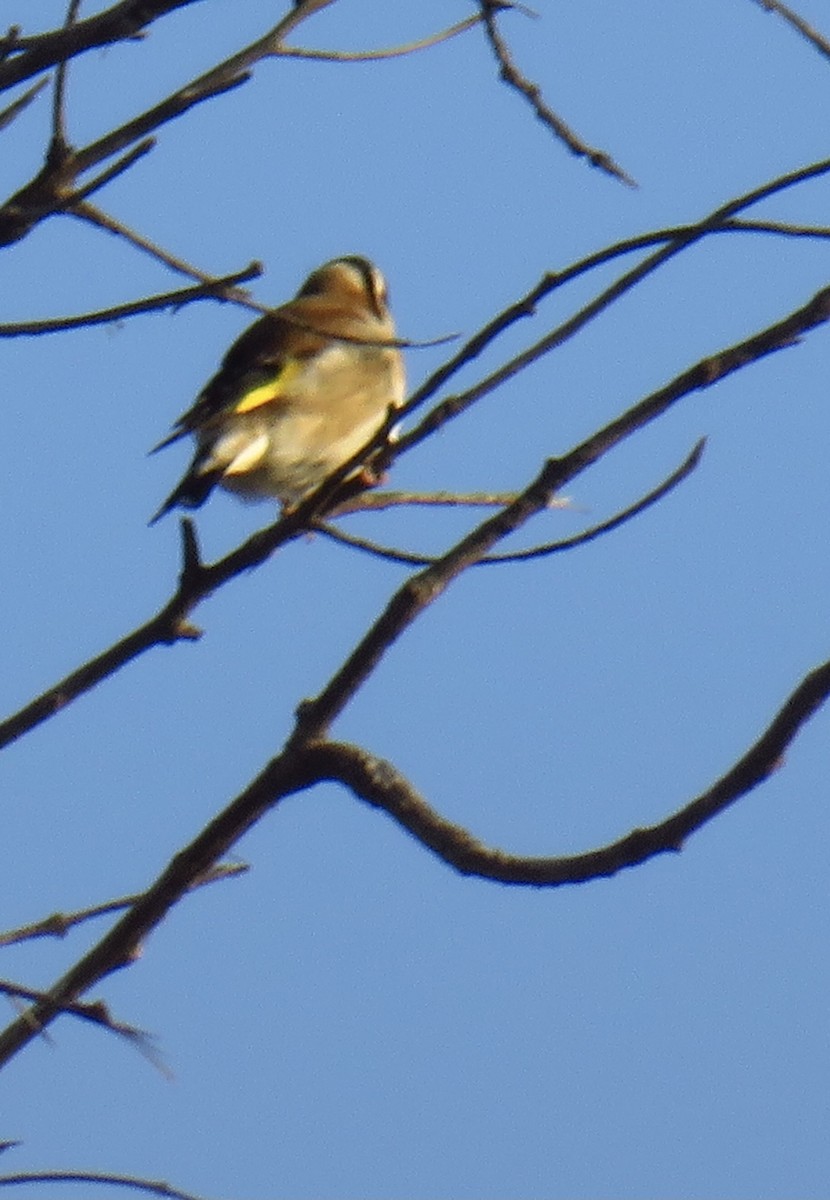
{"x": 297, "y": 394}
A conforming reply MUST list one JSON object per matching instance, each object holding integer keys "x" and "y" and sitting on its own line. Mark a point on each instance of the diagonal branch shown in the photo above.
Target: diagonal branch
{"x": 818, "y": 40}
{"x": 454, "y": 406}
{"x": 13, "y": 110}
{"x": 59, "y": 924}
{"x": 199, "y": 580}
{"x": 423, "y": 589}
{"x": 512, "y": 76}
{"x": 27, "y": 56}
{"x": 96, "y": 1013}
{"x": 392, "y": 554}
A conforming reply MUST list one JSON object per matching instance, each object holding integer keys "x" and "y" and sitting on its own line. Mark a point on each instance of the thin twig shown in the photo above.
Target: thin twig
{"x": 59, "y": 148}
{"x": 95, "y": 1012}
{"x": 215, "y": 289}
{"x": 454, "y": 406}
{"x": 380, "y": 501}
{"x": 362, "y": 56}
{"x": 85, "y": 211}
{"x": 106, "y": 176}
{"x": 512, "y": 76}
{"x": 134, "y": 1182}
{"x": 405, "y": 557}
{"x": 59, "y": 924}
{"x": 792, "y": 18}
{"x": 8, "y": 114}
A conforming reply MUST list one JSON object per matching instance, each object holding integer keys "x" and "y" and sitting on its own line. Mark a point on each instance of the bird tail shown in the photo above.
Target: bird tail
{"x": 192, "y": 492}
{"x": 178, "y": 432}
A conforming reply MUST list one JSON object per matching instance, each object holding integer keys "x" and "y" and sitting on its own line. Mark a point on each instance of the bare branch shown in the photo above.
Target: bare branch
{"x": 511, "y": 75}
{"x": 134, "y": 1182}
{"x": 96, "y": 1012}
{"x": 223, "y": 289}
{"x": 453, "y": 406}
{"x": 424, "y": 588}
{"x": 59, "y": 144}
{"x": 792, "y": 18}
{"x": 85, "y": 211}
{"x": 381, "y": 785}
{"x": 27, "y": 56}
{"x": 59, "y": 924}
{"x": 378, "y": 783}
{"x": 363, "y": 56}
{"x": 8, "y": 114}
{"x": 53, "y": 188}
{"x": 379, "y": 501}
{"x": 112, "y": 172}
{"x": 229, "y": 74}
{"x": 170, "y": 623}
{"x": 392, "y": 554}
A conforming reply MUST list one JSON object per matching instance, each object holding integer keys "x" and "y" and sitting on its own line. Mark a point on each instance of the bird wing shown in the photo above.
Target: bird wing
{"x": 264, "y": 361}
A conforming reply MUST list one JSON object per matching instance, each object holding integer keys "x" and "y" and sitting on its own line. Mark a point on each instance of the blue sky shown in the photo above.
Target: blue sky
{"x": 352, "y": 1019}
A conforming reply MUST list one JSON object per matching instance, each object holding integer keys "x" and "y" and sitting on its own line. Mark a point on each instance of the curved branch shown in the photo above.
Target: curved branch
{"x": 381, "y": 785}
{"x": 303, "y": 764}
{"x": 134, "y": 1182}
{"x": 363, "y": 56}
{"x": 392, "y": 554}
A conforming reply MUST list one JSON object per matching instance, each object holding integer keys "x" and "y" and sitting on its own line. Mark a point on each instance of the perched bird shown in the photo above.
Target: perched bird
{"x": 297, "y": 394}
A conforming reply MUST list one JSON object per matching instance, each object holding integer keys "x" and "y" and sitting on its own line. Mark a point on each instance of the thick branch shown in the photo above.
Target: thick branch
{"x": 378, "y": 783}
{"x": 27, "y": 56}
{"x": 381, "y": 785}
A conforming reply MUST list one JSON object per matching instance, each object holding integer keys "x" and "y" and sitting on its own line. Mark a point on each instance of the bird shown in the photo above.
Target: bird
{"x": 297, "y": 394}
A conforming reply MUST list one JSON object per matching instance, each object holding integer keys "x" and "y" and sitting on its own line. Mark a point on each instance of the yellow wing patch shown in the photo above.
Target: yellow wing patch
{"x": 264, "y": 393}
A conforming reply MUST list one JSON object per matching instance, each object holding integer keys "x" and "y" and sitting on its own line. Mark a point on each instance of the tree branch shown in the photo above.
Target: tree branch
{"x": 303, "y": 764}
{"x": 512, "y": 76}
{"x": 798, "y": 23}
{"x": 59, "y": 924}
{"x": 27, "y": 56}
{"x": 171, "y": 623}
{"x": 392, "y": 554}
{"x": 454, "y": 406}
{"x": 134, "y": 1182}
{"x": 223, "y": 289}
